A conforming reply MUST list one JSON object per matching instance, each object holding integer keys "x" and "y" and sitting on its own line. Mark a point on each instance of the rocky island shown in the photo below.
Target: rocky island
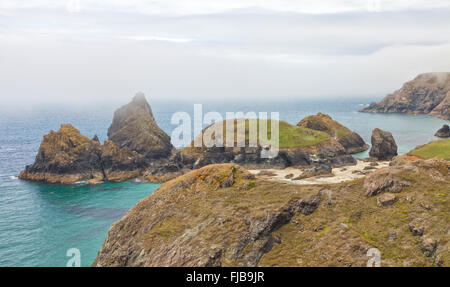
{"x": 137, "y": 147}
{"x": 135, "y": 143}
{"x": 428, "y": 93}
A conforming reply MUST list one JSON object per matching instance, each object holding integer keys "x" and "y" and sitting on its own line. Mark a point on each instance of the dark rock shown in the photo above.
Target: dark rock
{"x": 134, "y": 127}
{"x": 383, "y": 145}
{"x": 443, "y": 132}
{"x": 65, "y": 156}
{"x": 428, "y": 245}
{"x": 415, "y": 229}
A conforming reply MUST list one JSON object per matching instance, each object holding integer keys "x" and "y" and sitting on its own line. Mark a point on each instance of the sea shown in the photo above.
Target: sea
{"x": 41, "y": 224}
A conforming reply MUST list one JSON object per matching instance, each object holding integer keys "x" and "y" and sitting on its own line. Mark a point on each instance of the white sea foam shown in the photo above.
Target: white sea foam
{"x": 13, "y": 177}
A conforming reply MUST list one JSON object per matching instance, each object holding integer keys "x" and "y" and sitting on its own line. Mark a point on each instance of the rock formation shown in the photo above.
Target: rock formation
{"x": 443, "y": 132}
{"x": 65, "y": 156}
{"x": 428, "y": 93}
{"x": 136, "y": 143}
{"x": 220, "y": 215}
{"x": 383, "y": 145}
{"x": 351, "y": 141}
{"x": 316, "y": 140}
{"x": 134, "y": 127}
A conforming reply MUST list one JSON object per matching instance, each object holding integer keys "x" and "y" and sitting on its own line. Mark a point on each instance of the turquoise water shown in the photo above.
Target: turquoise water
{"x": 39, "y": 222}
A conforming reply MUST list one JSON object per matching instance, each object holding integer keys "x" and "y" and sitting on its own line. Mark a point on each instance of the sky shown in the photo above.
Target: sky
{"x": 95, "y": 51}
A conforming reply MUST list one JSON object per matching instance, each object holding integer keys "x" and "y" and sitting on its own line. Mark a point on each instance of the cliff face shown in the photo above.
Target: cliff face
{"x": 351, "y": 141}
{"x": 298, "y": 146}
{"x": 134, "y": 127}
{"x": 220, "y": 215}
{"x": 67, "y": 156}
{"x": 427, "y": 94}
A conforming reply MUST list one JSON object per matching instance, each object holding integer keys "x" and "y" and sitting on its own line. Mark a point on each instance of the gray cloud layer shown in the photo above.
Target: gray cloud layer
{"x": 50, "y": 54}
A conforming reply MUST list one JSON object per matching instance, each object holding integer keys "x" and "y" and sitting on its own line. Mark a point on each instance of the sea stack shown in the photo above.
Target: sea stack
{"x": 428, "y": 93}
{"x": 134, "y": 127}
{"x": 65, "y": 156}
{"x": 136, "y": 141}
{"x": 443, "y": 132}
{"x": 383, "y": 145}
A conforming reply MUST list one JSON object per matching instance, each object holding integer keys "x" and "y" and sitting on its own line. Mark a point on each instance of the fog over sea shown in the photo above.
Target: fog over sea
{"x": 40, "y": 222}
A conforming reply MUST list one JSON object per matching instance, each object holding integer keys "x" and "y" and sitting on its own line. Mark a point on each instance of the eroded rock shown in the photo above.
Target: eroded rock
{"x": 383, "y": 145}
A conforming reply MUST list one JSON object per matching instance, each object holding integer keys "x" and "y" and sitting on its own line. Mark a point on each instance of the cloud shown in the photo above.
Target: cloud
{"x": 227, "y": 49}
{"x": 192, "y": 7}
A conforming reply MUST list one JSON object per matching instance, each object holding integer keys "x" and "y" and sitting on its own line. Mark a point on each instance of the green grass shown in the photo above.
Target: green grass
{"x": 289, "y": 136}
{"x": 439, "y": 148}
{"x": 293, "y": 136}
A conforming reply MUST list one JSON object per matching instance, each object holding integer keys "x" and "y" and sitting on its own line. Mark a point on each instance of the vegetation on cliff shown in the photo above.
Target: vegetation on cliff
{"x": 427, "y": 93}
{"x": 439, "y": 149}
{"x": 134, "y": 126}
{"x": 351, "y": 141}
{"x": 221, "y": 215}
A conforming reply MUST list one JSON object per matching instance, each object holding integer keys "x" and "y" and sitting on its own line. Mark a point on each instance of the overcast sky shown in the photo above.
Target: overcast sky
{"x": 92, "y": 50}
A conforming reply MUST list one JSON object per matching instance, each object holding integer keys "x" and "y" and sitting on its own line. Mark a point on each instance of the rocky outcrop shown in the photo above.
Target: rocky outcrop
{"x": 136, "y": 144}
{"x": 443, "y": 132}
{"x": 221, "y": 215}
{"x": 329, "y": 143}
{"x": 351, "y": 141}
{"x": 428, "y": 93}
{"x": 134, "y": 127}
{"x": 383, "y": 145}
{"x": 121, "y": 164}
{"x": 66, "y": 156}
{"x": 386, "y": 199}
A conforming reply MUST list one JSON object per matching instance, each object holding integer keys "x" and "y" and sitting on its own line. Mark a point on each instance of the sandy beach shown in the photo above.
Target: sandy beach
{"x": 339, "y": 174}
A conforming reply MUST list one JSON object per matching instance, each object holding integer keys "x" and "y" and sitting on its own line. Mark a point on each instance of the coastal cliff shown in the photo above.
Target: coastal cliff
{"x": 137, "y": 147}
{"x": 221, "y": 215}
{"x": 428, "y": 93}
{"x": 135, "y": 143}
{"x": 134, "y": 127}
{"x": 315, "y": 140}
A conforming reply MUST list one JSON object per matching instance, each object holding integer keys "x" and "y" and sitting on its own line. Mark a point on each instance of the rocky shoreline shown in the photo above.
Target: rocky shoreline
{"x": 137, "y": 147}
{"x": 428, "y": 93}
{"x": 223, "y": 215}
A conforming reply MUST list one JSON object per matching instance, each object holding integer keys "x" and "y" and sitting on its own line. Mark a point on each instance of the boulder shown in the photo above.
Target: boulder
{"x": 383, "y": 145}
{"x": 443, "y": 132}
{"x": 384, "y": 180}
{"x": 134, "y": 126}
{"x": 428, "y": 245}
{"x": 386, "y": 199}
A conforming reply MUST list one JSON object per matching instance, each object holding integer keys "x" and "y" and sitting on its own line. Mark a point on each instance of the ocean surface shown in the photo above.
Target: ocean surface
{"x": 39, "y": 222}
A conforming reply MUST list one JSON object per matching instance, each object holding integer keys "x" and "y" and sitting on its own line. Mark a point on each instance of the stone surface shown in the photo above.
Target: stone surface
{"x": 134, "y": 126}
{"x": 386, "y": 199}
{"x": 443, "y": 132}
{"x": 427, "y": 93}
{"x": 65, "y": 156}
{"x": 351, "y": 141}
{"x": 136, "y": 144}
{"x": 383, "y": 145}
{"x": 220, "y": 215}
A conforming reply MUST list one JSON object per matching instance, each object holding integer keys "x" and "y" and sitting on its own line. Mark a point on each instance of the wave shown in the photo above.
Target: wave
{"x": 13, "y": 177}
